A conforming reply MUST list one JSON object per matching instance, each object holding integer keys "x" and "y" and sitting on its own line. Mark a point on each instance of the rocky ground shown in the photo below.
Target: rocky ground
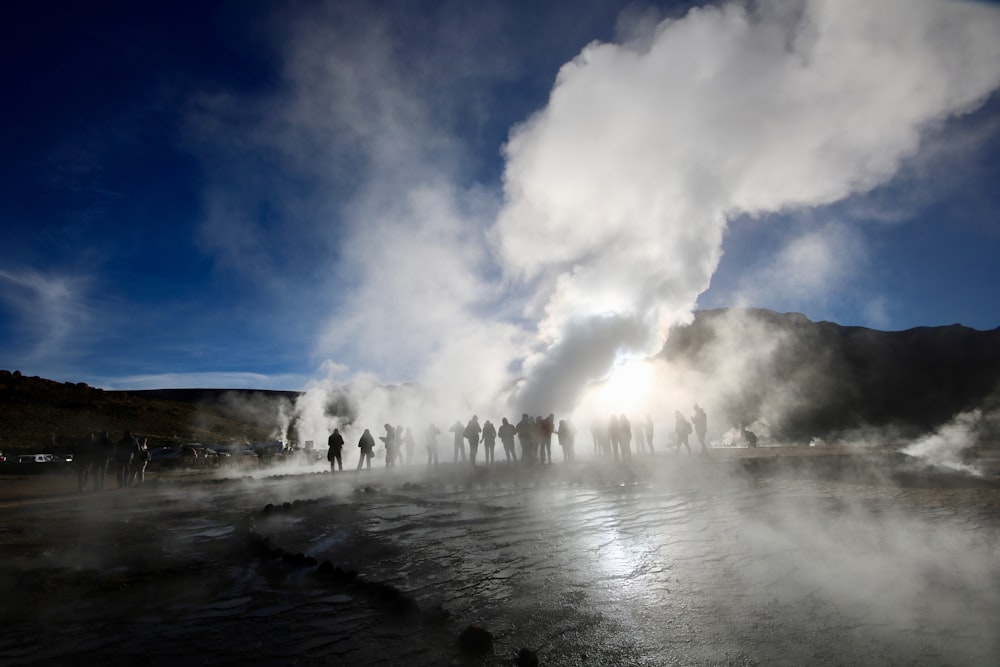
{"x": 752, "y": 557}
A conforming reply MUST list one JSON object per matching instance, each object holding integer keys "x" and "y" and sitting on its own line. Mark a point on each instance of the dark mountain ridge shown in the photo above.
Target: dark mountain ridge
{"x": 40, "y": 415}
{"x": 845, "y": 377}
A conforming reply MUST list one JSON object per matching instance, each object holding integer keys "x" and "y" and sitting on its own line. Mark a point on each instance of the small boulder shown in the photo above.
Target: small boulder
{"x": 526, "y": 658}
{"x": 476, "y": 640}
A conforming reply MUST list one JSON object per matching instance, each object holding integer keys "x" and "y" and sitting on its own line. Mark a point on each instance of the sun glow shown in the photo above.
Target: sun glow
{"x": 627, "y": 387}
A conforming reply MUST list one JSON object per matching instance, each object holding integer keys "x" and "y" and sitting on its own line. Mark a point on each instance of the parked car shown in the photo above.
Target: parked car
{"x": 165, "y": 454}
{"x": 36, "y": 464}
{"x": 268, "y": 451}
{"x": 239, "y": 455}
{"x": 36, "y": 458}
{"x": 199, "y": 455}
{"x": 191, "y": 455}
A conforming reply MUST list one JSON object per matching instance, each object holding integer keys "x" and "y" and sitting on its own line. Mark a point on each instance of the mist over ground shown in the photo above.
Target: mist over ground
{"x": 815, "y": 559}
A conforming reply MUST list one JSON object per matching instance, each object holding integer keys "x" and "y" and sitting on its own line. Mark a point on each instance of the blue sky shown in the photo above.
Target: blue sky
{"x": 253, "y": 194}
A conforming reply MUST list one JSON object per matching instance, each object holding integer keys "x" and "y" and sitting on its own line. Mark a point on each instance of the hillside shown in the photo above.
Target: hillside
{"x": 42, "y": 415}
{"x": 814, "y": 379}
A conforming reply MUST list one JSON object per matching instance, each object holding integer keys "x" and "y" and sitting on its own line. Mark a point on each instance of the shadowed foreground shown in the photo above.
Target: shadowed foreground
{"x": 771, "y": 560}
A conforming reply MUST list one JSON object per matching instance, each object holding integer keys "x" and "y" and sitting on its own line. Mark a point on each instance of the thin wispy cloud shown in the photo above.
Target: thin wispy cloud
{"x": 214, "y": 380}
{"x": 50, "y": 312}
{"x": 800, "y": 273}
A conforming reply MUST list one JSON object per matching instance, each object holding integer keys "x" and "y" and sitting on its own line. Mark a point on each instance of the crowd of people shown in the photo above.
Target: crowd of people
{"x": 529, "y": 441}
{"x": 531, "y": 435}
{"x": 126, "y": 459}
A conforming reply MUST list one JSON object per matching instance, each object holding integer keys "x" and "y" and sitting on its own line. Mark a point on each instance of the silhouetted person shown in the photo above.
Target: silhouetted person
{"x": 367, "y": 446}
{"x": 471, "y": 433}
{"x": 410, "y": 444}
{"x": 90, "y": 460}
{"x": 566, "y": 440}
{"x": 125, "y": 450}
{"x": 700, "y": 421}
{"x": 682, "y": 429}
{"x": 397, "y": 445}
{"x": 537, "y": 439}
{"x": 614, "y": 436}
{"x": 389, "y": 439}
{"x": 546, "y": 427}
{"x": 524, "y": 428}
{"x": 625, "y": 437}
{"x": 458, "y": 428}
{"x": 431, "y": 439}
{"x": 489, "y": 440}
{"x": 507, "y": 432}
{"x": 334, "y": 453}
{"x": 534, "y": 438}
{"x": 602, "y": 442}
{"x": 749, "y": 436}
{"x": 105, "y": 458}
{"x": 649, "y": 433}
{"x": 139, "y": 462}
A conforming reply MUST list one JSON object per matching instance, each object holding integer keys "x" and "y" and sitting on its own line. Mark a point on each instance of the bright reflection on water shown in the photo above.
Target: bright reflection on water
{"x": 672, "y": 561}
{"x": 697, "y": 569}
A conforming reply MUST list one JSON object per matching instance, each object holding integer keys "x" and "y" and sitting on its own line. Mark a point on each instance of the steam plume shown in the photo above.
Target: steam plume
{"x": 616, "y": 195}
{"x": 619, "y": 191}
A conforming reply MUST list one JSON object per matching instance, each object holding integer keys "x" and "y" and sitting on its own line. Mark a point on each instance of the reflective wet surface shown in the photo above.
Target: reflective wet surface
{"x": 670, "y": 561}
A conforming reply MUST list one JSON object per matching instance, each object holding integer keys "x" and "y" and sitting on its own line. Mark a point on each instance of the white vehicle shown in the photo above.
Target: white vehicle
{"x": 36, "y": 458}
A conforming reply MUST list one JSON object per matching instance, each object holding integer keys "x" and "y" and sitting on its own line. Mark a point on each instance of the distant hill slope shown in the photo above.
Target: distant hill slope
{"x": 42, "y": 415}
{"x": 818, "y": 378}
{"x": 209, "y": 396}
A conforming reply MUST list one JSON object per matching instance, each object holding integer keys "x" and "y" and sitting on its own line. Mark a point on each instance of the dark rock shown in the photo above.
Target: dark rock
{"x": 436, "y": 615}
{"x": 526, "y": 658}
{"x": 475, "y": 639}
{"x": 405, "y": 604}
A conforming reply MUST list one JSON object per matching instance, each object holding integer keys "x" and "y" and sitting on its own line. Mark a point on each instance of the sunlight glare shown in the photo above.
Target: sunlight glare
{"x": 628, "y": 385}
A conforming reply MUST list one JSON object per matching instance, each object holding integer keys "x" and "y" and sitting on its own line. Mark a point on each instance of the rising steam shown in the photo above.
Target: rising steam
{"x": 619, "y": 191}
{"x": 616, "y": 196}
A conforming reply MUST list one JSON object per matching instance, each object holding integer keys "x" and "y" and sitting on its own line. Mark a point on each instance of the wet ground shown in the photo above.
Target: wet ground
{"x": 831, "y": 560}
